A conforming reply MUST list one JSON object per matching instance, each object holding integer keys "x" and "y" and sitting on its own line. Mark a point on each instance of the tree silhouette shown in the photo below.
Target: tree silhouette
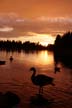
{"x": 63, "y": 49}
{"x": 18, "y": 46}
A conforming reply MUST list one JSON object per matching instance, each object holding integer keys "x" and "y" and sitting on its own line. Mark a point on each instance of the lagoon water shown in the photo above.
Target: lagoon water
{"x": 16, "y": 77}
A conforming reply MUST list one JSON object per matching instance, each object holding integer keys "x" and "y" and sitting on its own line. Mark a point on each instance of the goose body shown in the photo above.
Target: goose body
{"x": 41, "y": 80}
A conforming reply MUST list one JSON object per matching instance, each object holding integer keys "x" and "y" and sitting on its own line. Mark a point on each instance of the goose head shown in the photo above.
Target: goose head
{"x": 34, "y": 72}
{"x": 33, "y": 69}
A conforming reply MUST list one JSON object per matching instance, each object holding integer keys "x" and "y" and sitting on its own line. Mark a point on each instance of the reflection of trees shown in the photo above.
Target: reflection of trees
{"x": 18, "y": 46}
{"x": 63, "y": 49}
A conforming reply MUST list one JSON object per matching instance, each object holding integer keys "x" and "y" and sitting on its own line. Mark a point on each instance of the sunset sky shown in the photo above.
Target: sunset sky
{"x": 35, "y": 20}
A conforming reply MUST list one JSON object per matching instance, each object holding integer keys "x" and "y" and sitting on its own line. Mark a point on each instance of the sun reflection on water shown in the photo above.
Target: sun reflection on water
{"x": 39, "y": 58}
{"x": 44, "y": 58}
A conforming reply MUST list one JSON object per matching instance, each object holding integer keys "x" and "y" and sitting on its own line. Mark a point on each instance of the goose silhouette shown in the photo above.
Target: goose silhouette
{"x": 57, "y": 69}
{"x": 41, "y": 80}
{"x": 2, "y": 62}
{"x": 11, "y": 58}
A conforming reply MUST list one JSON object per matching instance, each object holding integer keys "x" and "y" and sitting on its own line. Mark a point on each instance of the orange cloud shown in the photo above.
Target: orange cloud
{"x": 13, "y": 26}
{"x": 6, "y": 29}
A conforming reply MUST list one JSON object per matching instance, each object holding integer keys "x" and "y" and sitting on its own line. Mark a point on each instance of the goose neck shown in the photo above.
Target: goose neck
{"x": 34, "y": 72}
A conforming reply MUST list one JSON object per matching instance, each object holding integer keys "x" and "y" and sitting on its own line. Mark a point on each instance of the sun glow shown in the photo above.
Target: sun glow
{"x": 46, "y": 39}
{"x": 43, "y": 39}
{"x": 44, "y": 43}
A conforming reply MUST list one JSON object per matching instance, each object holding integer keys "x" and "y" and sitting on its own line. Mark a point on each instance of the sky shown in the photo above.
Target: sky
{"x": 35, "y": 20}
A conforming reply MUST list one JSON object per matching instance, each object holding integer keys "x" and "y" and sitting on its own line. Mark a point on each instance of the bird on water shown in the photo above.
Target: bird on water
{"x": 41, "y": 80}
{"x": 11, "y": 58}
{"x": 57, "y": 69}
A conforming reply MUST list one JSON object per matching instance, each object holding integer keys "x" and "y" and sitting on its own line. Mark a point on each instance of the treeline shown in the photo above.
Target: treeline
{"x": 64, "y": 42}
{"x": 18, "y": 46}
{"x": 63, "y": 49}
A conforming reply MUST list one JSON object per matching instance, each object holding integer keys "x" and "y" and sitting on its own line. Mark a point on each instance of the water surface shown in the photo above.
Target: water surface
{"x": 16, "y": 77}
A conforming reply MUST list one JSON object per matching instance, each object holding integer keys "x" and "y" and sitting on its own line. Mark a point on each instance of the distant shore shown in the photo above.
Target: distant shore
{"x": 26, "y": 46}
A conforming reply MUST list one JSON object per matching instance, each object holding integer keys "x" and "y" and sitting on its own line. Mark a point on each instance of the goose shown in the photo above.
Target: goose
{"x": 41, "y": 80}
{"x": 11, "y": 58}
{"x": 57, "y": 69}
{"x": 2, "y": 62}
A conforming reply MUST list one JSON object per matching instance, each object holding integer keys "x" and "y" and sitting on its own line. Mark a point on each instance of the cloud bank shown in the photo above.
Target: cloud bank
{"x": 14, "y": 26}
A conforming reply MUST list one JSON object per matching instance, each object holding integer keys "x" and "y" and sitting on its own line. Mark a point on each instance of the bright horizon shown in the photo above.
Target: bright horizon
{"x": 43, "y": 39}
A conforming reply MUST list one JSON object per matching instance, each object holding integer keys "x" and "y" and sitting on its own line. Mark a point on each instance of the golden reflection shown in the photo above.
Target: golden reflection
{"x": 44, "y": 58}
{"x": 40, "y": 58}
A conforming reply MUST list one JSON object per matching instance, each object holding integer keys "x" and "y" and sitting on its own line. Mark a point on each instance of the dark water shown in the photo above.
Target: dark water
{"x": 16, "y": 77}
